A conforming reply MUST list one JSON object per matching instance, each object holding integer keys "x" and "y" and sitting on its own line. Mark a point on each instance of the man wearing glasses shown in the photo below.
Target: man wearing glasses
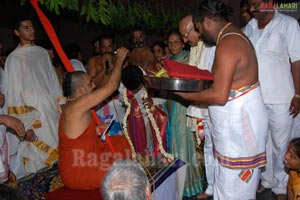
{"x": 202, "y": 57}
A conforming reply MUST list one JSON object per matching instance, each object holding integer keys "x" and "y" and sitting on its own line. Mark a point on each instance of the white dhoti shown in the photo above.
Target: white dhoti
{"x": 4, "y": 155}
{"x": 228, "y": 187}
{"x": 33, "y": 92}
{"x": 4, "y": 146}
{"x": 239, "y": 137}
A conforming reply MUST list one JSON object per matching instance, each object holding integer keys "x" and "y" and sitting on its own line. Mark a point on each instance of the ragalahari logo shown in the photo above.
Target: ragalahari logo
{"x": 285, "y": 7}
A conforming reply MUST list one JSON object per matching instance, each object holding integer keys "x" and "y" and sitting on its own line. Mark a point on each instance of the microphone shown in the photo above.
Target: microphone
{"x": 106, "y": 67}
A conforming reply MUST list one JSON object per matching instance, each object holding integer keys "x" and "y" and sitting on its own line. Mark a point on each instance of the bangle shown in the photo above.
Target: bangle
{"x": 297, "y": 96}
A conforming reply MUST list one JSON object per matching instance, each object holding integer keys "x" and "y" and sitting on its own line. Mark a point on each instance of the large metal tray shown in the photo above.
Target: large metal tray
{"x": 174, "y": 84}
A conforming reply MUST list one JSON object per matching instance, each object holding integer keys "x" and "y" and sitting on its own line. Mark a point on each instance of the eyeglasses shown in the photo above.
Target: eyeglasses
{"x": 187, "y": 34}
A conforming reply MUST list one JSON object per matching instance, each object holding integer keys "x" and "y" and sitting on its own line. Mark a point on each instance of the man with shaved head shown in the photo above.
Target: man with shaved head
{"x": 187, "y": 31}
{"x": 83, "y": 157}
{"x": 201, "y": 56}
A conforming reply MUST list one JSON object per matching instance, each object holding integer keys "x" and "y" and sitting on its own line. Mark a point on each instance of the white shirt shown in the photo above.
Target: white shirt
{"x": 278, "y": 44}
{"x": 205, "y": 60}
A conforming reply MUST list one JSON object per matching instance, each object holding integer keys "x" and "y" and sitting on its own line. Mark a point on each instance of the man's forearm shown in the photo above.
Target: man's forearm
{"x": 116, "y": 74}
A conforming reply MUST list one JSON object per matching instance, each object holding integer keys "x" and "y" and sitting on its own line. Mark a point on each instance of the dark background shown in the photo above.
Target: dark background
{"x": 70, "y": 27}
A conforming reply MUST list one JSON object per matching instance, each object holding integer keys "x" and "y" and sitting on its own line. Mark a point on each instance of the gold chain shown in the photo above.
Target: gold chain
{"x": 222, "y": 30}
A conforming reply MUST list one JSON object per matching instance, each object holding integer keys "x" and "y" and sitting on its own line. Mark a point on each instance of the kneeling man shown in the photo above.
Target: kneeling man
{"x": 83, "y": 157}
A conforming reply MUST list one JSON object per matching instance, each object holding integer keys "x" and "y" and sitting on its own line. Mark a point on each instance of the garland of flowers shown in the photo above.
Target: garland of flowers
{"x": 156, "y": 130}
{"x": 152, "y": 121}
{"x": 125, "y": 130}
{"x": 195, "y": 54}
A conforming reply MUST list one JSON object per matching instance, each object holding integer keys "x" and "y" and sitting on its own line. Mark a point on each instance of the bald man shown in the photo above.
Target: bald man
{"x": 202, "y": 57}
{"x": 83, "y": 158}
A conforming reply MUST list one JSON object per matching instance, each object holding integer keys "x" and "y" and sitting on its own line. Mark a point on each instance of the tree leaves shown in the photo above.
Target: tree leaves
{"x": 118, "y": 15}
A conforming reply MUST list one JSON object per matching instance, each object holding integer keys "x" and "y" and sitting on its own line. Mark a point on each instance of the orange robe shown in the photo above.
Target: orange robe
{"x": 84, "y": 161}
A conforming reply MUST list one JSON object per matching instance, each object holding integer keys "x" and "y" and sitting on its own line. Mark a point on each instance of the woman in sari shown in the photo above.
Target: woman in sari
{"x": 183, "y": 143}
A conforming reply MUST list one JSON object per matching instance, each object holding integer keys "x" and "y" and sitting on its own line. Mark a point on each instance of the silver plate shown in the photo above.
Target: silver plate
{"x": 175, "y": 84}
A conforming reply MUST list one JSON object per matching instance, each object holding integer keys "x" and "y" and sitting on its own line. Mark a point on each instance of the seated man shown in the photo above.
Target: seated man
{"x": 126, "y": 179}
{"x": 83, "y": 157}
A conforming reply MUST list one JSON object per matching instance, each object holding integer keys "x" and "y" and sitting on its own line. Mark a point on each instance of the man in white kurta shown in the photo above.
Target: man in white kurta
{"x": 198, "y": 121}
{"x": 276, "y": 39}
{"x": 33, "y": 92}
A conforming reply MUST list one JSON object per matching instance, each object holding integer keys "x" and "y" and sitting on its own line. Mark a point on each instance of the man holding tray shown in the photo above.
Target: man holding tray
{"x": 236, "y": 107}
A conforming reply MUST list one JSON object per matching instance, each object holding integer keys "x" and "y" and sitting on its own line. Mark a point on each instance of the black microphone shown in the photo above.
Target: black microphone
{"x": 106, "y": 67}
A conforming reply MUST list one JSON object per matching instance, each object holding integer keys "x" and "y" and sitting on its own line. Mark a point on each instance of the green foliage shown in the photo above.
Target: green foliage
{"x": 117, "y": 15}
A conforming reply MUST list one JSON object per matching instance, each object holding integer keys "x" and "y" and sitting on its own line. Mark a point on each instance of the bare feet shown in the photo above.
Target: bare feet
{"x": 203, "y": 196}
{"x": 12, "y": 180}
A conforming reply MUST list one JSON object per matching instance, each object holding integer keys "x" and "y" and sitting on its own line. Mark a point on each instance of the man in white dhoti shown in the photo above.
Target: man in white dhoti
{"x": 33, "y": 93}
{"x": 236, "y": 108}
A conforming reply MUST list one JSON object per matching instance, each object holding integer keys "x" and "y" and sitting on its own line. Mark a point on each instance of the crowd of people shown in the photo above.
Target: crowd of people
{"x": 241, "y": 129}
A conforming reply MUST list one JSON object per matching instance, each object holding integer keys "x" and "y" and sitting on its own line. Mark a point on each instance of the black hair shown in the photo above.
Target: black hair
{"x": 295, "y": 143}
{"x": 72, "y": 81}
{"x": 107, "y": 36}
{"x": 175, "y": 32}
{"x": 72, "y": 50}
{"x": 160, "y": 43}
{"x": 132, "y": 77}
{"x": 17, "y": 20}
{"x": 138, "y": 27}
{"x": 213, "y": 9}
{"x": 243, "y": 3}
{"x": 67, "y": 84}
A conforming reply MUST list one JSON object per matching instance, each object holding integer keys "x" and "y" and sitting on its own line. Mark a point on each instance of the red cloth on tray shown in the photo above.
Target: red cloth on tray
{"x": 179, "y": 70}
